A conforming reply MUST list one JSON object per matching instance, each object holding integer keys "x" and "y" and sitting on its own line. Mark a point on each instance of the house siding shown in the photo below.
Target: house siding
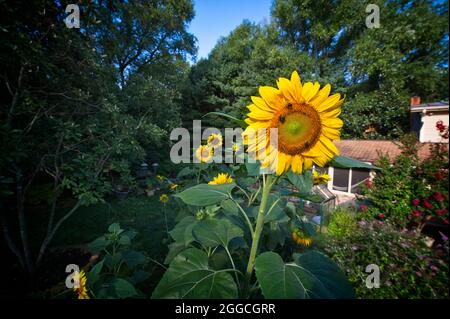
{"x": 428, "y": 132}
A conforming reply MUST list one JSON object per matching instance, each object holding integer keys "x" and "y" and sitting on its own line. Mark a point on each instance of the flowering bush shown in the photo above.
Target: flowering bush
{"x": 408, "y": 268}
{"x": 412, "y": 191}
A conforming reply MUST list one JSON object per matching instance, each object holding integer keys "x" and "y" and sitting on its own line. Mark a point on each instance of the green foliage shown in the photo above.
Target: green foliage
{"x": 120, "y": 269}
{"x": 205, "y": 194}
{"x": 393, "y": 190}
{"x": 408, "y": 269}
{"x": 311, "y": 275}
{"x": 342, "y": 222}
{"x": 190, "y": 276}
{"x": 211, "y": 246}
{"x": 81, "y": 108}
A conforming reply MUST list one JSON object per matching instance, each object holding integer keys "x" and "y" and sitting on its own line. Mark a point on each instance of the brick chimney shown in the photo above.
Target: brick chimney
{"x": 415, "y": 100}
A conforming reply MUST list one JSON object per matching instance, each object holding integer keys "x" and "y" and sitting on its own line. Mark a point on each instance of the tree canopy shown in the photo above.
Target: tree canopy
{"x": 378, "y": 69}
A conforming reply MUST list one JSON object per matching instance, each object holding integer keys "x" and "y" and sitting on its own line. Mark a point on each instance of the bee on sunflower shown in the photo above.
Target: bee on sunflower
{"x": 306, "y": 119}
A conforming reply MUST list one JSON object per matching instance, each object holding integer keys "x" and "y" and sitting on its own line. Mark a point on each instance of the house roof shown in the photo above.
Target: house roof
{"x": 367, "y": 150}
{"x": 434, "y": 106}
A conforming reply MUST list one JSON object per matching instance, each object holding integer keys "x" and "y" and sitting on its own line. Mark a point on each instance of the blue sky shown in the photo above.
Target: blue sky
{"x": 216, "y": 18}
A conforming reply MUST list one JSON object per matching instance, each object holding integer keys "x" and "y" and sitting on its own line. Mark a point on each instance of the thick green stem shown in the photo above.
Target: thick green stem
{"x": 258, "y": 229}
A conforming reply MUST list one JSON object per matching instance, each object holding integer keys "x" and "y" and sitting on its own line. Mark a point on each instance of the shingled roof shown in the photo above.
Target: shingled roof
{"x": 367, "y": 150}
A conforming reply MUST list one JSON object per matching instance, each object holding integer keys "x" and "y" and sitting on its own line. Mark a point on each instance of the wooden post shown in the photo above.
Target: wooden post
{"x": 331, "y": 173}
{"x": 350, "y": 175}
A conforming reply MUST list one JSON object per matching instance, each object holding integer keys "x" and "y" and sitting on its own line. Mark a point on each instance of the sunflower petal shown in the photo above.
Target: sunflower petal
{"x": 322, "y": 95}
{"x": 258, "y": 101}
{"x": 321, "y": 160}
{"x": 287, "y": 89}
{"x": 335, "y": 123}
{"x": 333, "y": 113}
{"x": 307, "y": 163}
{"x": 310, "y": 90}
{"x": 297, "y": 84}
{"x": 297, "y": 164}
{"x": 331, "y": 133}
{"x": 259, "y": 114}
{"x": 327, "y": 143}
{"x": 330, "y": 102}
{"x": 271, "y": 96}
{"x": 281, "y": 163}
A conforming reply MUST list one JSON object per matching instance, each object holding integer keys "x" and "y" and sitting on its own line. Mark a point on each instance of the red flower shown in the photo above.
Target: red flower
{"x": 381, "y": 216}
{"x": 364, "y": 208}
{"x": 416, "y": 213}
{"x": 438, "y": 176}
{"x": 438, "y": 197}
{"x": 427, "y": 204}
{"x": 446, "y": 221}
{"x": 415, "y": 201}
{"x": 441, "y": 212}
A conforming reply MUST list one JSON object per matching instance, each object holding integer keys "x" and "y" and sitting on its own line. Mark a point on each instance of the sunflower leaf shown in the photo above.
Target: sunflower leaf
{"x": 190, "y": 276}
{"x": 311, "y": 275}
{"x": 206, "y": 194}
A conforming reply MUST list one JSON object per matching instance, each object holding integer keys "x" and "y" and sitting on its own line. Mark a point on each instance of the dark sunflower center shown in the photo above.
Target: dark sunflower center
{"x": 298, "y": 128}
{"x": 205, "y": 153}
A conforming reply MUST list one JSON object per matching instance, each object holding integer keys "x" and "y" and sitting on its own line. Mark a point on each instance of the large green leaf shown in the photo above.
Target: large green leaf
{"x": 134, "y": 258}
{"x": 94, "y": 274}
{"x": 253, "y": 168}
{"x": 190, "y": 276}
{"x": 303, "y": 182}
{"x": 275, "y": 209}
{"x": 205, "y": 194}
{"x": 229, "y": 206}
{"x": 123, "y": 288}
{"x": 348, "y": 162}
{"x": 312, "y": 275}
{"x": 174, "y": 249}
{"x": 327, "y": 272}
{"x": 182, "y": 232}
{"x": 215, "y": 232}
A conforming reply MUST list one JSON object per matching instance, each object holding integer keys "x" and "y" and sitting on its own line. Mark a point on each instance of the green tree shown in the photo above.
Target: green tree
{"x": 81, "y": 106}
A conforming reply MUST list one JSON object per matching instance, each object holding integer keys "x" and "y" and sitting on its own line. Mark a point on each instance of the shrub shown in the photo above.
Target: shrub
{"x": 396, "y": 192}
{"x": 342, "y": 222}
{"x": 408, "y": 268}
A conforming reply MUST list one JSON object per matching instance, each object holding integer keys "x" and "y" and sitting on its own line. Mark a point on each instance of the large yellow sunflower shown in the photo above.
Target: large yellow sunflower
{"x": 307, "y": 121}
